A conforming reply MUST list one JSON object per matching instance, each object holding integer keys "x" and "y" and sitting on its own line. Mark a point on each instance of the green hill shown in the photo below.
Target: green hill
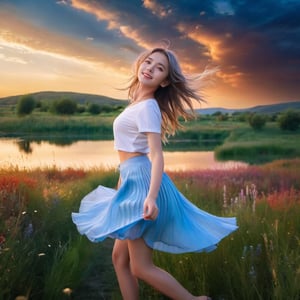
{"x": 81, "y": 98}
{"x": 261, "y": 109}
{"x": 78, "y": 97}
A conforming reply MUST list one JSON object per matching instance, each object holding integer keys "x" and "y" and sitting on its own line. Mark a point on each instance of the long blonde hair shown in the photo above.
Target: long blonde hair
{"x": 176, "y": 99}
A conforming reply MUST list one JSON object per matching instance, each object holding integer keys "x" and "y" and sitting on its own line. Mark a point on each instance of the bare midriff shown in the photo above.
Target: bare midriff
{"x": 123, "y": 155}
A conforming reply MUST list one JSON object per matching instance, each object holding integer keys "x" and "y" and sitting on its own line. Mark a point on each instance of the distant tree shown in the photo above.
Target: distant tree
{"x": 65, "y": 106}
{"x": 94, "y": 108}
{"x": 217, "y": 113}
{"x": 107, "y": 108}
{"x": 25, "y": 105}
{"x": 223, "y": 117}
{"x": 256, "y": 121}
{"x": 289, "y": 120}
{"x": 219, "y": 116}
{"x": 240, "y": 116}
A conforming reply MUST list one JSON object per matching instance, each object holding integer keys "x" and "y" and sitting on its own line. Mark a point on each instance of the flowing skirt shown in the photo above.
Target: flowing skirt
{"x": 180, "y": 227}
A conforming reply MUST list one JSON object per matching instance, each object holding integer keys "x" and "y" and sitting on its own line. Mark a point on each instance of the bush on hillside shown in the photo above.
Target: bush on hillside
{"x": 94, "y": 108}
{"x": 289, "y": 120}
{"x": 64, "y": 107}
{"x": 257, "y": 122}
{"x": 26, "y": 105}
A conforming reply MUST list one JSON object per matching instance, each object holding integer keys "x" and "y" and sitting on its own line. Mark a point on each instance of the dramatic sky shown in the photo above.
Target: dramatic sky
{"x": 89, "y": 45}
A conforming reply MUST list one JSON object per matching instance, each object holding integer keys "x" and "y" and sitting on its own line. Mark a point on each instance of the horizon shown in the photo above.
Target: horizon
{"x": 84, "y": 46}
{"x": 198, "y": 108}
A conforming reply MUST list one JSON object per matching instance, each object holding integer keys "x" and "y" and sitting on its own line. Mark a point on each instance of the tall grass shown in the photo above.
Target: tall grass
{"x": 53, "y": 124}
{"x": 263, "y": 146}
{"x": 42, "y": 256}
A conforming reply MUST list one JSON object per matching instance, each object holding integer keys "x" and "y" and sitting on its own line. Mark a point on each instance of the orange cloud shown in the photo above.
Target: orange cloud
{"x": 216, "y": 51}
{"x": 212, "y": 44}
{"x": 134, "y": 35}
{"x": 114, "y": 21}
{"x": 100, "y": 12}
{"x": 233, "y": 79}
{"x": 157, "y": 9}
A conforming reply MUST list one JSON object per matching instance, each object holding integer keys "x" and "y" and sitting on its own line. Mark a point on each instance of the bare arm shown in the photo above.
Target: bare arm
{"x": 157, "y": 160}
{"x": 119, "y": 183}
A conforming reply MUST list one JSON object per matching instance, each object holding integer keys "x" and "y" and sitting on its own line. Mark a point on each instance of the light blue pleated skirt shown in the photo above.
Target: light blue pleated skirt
{"x": 180, "y": 227}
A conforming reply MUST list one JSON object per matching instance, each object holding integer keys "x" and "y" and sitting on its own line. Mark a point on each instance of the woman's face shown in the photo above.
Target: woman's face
{"x": 154, "y": 70}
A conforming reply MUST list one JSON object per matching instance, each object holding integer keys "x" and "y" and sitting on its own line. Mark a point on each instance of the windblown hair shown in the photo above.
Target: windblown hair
{"x": 176, "y": 99}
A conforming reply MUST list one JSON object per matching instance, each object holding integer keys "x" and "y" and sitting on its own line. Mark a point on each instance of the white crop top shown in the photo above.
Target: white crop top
{"x": 131, "y": 125}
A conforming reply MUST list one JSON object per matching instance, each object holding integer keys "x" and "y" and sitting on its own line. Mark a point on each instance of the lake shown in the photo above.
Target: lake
{"x": 93, "y": 154}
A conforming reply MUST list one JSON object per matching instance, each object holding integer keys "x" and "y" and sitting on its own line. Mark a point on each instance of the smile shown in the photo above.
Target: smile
{"x": 147, "y": 75}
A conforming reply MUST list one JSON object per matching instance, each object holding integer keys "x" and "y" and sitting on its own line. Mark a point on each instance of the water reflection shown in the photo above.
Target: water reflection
{"x": 24, "y": 146}
{"x": 90, "y": 154}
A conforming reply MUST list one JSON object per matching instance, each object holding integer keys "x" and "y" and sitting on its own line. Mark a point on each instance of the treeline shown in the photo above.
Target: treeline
{"x": 64, "y": 106}
{"x": 287, "y": 120}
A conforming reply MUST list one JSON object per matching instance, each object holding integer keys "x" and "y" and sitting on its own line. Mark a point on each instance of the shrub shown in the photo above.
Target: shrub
{"x": 94, "y": 109}
{"x": 107, "y": 108}
{"x": 289, "y": 120}
{"x": 65, "y": 107}
{"x": 240, "y": 116}
{"x": 26, "y": 105}
{"x": 257, "y": 122}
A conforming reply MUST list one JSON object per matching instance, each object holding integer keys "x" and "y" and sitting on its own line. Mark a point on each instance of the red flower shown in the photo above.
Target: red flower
{"x": 2, "y": 239}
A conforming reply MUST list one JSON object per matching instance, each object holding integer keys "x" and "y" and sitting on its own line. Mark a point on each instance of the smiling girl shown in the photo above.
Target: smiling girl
{"x": 147, "y": 211}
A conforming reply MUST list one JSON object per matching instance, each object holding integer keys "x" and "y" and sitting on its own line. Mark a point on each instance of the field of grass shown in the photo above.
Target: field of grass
{"x": 271, "y": 143}
{"x": 42, "y": 256}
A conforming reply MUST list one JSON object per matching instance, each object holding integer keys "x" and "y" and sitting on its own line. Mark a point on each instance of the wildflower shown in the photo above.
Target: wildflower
{"x": 242, "y": 197}
{"x": 2, "y": 239}
{"x": 67, "y": 291}
{"x": 224, "y": 197}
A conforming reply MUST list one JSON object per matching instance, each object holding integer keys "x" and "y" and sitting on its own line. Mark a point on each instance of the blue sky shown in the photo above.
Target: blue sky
{"x": 89, "y": 45}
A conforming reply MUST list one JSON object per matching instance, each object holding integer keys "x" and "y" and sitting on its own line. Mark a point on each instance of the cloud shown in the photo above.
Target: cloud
{"x": 12, "y": 59}
{"x": 157, "y": 9}
{"x": 117, "y": 22}
{"x": 255, "y": 43}
{"x": 18, "y": 32}
{"x": 111, "y": 17}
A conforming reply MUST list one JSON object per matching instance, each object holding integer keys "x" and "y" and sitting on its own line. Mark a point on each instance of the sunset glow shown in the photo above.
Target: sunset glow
{"x": 89, "y": 46}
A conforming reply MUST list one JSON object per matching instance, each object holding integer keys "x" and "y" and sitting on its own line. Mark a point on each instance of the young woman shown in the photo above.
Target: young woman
{"x": 147, "y": 212}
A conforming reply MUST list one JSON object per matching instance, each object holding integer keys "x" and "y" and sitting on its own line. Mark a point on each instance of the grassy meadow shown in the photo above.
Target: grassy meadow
{"x": 42, "y": 256}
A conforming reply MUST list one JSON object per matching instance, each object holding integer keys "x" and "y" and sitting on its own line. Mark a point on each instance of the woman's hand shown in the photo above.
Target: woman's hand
{"x": 150, "y": 209}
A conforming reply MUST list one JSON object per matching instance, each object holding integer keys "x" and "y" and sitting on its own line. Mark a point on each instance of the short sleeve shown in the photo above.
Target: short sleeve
{"x": 148, "y": 117}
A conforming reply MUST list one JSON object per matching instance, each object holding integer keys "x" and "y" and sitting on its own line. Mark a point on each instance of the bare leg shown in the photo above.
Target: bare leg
{"x": 142, "y": 267}
{"x": 127, "y": 282}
